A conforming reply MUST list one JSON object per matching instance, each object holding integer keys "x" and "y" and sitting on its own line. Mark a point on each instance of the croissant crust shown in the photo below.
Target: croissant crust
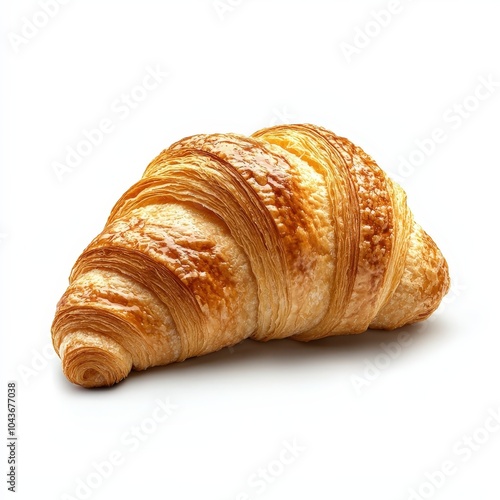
{"x": 292, "y": 232}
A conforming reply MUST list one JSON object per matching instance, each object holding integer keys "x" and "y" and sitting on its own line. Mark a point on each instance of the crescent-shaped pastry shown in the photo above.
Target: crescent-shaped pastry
{"x": 292, "y": 232}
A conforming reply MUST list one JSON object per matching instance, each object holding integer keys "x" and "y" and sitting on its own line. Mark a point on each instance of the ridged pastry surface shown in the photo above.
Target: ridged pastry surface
{"x": 292, "y": 232}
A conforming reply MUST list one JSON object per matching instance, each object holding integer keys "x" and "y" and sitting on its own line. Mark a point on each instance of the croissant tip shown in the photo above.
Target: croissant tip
{"x": 94, "y": 362}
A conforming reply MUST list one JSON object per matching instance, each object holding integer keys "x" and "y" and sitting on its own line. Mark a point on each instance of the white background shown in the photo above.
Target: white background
{"x": 239, "y": 68}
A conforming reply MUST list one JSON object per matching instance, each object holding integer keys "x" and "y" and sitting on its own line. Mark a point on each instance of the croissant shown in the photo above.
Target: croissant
{"x": 292, "y": 232}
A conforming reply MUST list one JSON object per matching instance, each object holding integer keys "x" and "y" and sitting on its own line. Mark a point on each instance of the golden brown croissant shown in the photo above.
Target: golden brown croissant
{"x": 293, "y": 232}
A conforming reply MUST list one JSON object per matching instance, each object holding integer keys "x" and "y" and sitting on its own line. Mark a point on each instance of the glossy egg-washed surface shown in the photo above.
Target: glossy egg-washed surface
{"x": 292, "y": 232}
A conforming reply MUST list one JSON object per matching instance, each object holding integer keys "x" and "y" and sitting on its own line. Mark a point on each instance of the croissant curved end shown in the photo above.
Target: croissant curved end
{"x": 92, "y": 360}
{"x": 424, "y": 283}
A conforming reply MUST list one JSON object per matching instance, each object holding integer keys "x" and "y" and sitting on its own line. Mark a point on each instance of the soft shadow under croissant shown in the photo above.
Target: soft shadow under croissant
{"x": 292, "y": 232}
